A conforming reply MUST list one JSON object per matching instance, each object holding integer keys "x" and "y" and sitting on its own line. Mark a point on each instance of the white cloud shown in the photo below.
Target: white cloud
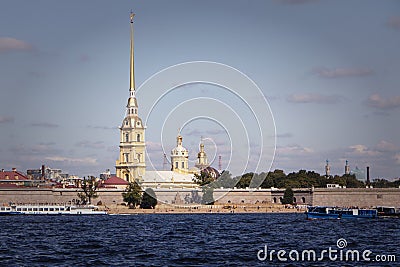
{"x": 363, "y": 150}
{"x": 79, "y": 161}
{"x": 385, "y": 146}
{"x": 379, "y": 102}
{"x": 8, "y": 44}
{"x": 342, "y": 72}
{"x": 293, "y": 150}
{"x": 313, "y": 98}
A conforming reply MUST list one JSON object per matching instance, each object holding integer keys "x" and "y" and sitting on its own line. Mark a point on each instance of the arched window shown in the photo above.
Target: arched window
{"x": 127, "y": 177}
{"x": 274, "y": 200}
{"x": 303, "y": 199}
{"x": 176, "y": 165}
{"x": 280, "y": 199}
{"x": 294, "y": 200}
{"x": 138, "y": 137}
{"x": 127, "y": 137}
{"x": 183, "y": 165}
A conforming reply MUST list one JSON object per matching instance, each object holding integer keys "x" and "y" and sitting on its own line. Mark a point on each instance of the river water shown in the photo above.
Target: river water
{"x": 197, "y": 240}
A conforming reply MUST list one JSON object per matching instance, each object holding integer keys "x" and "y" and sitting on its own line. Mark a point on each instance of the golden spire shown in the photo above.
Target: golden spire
{"x": 132, "y": 69}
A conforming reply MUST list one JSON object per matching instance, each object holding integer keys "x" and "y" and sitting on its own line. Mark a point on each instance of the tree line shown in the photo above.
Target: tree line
{"x": 133, "y": 194}
{"x": 279, "y": 179}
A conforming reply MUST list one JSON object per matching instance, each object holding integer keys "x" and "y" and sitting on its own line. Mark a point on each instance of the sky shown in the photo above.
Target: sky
{"x": 301, "y": 81}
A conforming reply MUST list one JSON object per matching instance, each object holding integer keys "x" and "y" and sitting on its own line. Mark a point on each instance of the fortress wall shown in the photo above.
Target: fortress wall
{"x": 302, "y": 196}
{"x": 60, "y": 196}
{"x": 361, "y": 197}
{"x": 242, "y": 196}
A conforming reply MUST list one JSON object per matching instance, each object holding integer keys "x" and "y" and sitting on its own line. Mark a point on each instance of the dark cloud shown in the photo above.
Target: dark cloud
{"x": 44, "y": 125}
{"x": 341, "y": 72}
{"x": 6, "y": 119}
{"x": 102, "y": 127}
{"x": 284, "y": 135}
{"x": 91, "y": 144}
{"x": 394, "y": 22}
{"x": 41, "y": 149}
{"x": 205, "y": 133}
{"x": 295, "y": 2}
{"x": 84, "y": 58}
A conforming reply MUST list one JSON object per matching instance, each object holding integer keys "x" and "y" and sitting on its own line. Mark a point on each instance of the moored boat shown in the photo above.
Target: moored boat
{"x": 384, "y": 211}
{"x": 28, "y": 209}
{"x": 322, "y": 212}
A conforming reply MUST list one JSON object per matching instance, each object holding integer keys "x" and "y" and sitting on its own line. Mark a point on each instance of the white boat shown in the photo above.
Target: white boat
{"x": 29, "y": 209}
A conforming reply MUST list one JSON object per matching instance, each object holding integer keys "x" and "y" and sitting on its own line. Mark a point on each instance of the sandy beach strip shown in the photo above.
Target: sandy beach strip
{"x": 191, "y": 209}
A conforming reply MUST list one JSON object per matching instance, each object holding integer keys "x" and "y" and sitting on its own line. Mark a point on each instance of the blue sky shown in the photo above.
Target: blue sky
{"x": 328, "y": 69}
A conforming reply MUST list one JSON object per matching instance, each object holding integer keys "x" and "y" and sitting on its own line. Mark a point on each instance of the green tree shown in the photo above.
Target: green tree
{"x": 149, "y": 200}
{"x": 89, "y": 190}
{"x": 203, "y": 178}
{"x": 208, "y": 196}
{"x": 288, "y": 196}
{"x": 245, "y": 180}
{"x": 225, "y": 180}
{"x": 132, "y": 194}
{"x": 352, "y": 181}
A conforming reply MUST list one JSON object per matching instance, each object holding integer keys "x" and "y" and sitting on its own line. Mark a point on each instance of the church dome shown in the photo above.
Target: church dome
{"x": 179, "y": 149}
{"x": 211, "y": 172}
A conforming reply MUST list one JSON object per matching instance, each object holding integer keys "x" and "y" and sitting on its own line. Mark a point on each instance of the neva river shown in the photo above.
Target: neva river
{"x": 194, "y": 240}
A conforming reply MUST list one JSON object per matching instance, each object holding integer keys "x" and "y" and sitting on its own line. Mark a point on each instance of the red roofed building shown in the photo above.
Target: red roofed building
{"x": 12, "y": 178}
{"x": 115, "y": 182}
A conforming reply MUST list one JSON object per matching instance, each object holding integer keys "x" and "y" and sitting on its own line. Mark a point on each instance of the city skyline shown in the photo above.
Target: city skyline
{"x": 327, "y": 70}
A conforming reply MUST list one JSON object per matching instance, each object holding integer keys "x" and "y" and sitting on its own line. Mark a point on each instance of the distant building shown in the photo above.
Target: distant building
{"x": 327, "y": 169}
{"x": 347, "y": 168}
{"x": 105, "y": 175}
{"x": 115, "y": 182}
{"x": 46, "y": 173}
{"x": 13, "y": 178}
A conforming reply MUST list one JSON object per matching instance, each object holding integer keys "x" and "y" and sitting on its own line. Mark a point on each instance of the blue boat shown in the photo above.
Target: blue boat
{"x": 322, "y": 212}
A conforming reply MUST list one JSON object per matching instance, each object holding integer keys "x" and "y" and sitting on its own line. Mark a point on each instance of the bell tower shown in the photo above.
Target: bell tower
{"x": 179, "y": 157}
{"x": 202, "y": 161}
{"x": 131, "y": 164}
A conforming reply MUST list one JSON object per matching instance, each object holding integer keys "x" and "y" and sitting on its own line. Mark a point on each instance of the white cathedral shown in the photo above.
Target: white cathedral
{"x": 131, "y": 165}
